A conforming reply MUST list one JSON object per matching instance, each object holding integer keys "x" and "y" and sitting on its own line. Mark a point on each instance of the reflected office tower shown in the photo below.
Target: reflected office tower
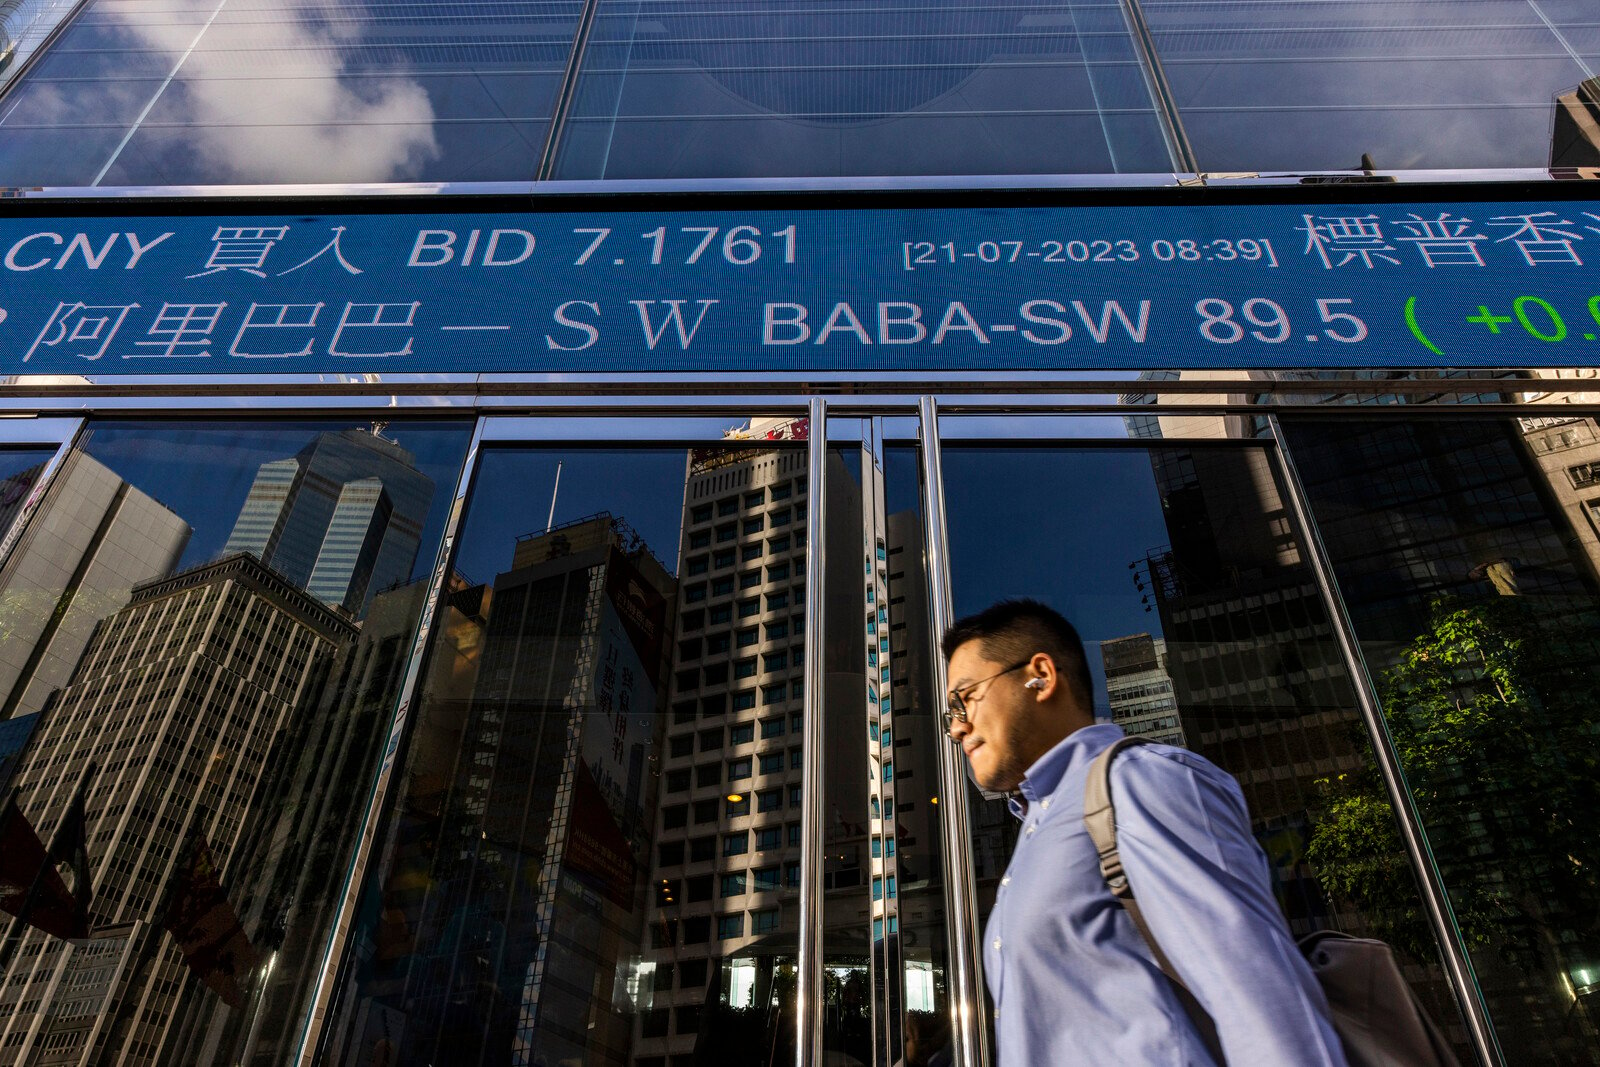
{"x": 717, "y": 970}
{"x": 523, "y": 931}
{"x": 1567, "y": 451}
{"x": 302, "y": 826}
{"x": 14, "y": 494}
{"x": 189, "y": 687}
{"x": 1575, "y": 139}
{"x": 1139, "y": 689}
{"x": 342, "y": 518}
{"x": 94, "y": 537}
{"x": 1257, "y": 676}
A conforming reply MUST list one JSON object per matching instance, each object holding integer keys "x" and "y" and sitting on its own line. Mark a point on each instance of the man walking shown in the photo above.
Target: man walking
{"x": 1072, "y": 979}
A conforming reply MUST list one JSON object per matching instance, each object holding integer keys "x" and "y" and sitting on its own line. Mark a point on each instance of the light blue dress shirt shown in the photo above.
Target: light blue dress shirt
{"x": 1072, "y": 980}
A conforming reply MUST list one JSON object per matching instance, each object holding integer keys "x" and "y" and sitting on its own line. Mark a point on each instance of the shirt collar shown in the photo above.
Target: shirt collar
{"x": 1076, "y": 749}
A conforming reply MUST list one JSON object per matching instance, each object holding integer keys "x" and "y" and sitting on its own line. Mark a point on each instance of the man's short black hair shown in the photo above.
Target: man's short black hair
{"x": 1011, "y": 630}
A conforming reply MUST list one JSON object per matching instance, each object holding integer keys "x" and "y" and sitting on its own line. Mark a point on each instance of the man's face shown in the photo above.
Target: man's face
{"x": 1001, "y": 734}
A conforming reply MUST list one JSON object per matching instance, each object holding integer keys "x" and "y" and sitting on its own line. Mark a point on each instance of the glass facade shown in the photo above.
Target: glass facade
{"x": 247, "y": 92}
{"x": 594, "y": 717}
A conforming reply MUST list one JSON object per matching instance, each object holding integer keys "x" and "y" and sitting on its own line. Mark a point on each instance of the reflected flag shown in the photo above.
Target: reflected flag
{"x": 31, "y": 888}
{"x": 205, "y": 926}
{"x": 24, "y": 861}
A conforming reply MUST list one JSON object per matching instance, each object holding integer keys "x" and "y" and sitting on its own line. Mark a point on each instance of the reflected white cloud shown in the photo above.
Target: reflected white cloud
{"x": 271, "y": 94}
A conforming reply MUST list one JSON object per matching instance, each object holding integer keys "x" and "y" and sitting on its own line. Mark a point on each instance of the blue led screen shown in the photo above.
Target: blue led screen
{"x": 1486, "y": 284}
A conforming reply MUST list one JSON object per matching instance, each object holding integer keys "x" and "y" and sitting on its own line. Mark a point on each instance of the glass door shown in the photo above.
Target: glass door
{"x": 1167, "y": 541}
{"x": 593, "y": 852}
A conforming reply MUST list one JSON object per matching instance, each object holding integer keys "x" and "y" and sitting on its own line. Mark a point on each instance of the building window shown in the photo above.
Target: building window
{"x": 723, "y": 557}
{"x": 770, "y": 763}
{"x": 745, "y": 668}
{"x": 738, "y": 807}
{"x": 751, "y": 552}
{"x": 768, "y": 838}
{"x": 764, "y": 921}
{"x": 749, "y": 637}
{"x": 702, "y": 849}
{"x": 708, "y": 774}
{"x": 733, "y": 884}
{"x": 728, "y": 506}
{"x": 755, "y": 499}
{"x": 742, "y": 734}
{"x": 705, "y": 811}
{"x": 744, "y": 700}
{"x": 772, "y": 727}
{"x": 722, "y": 586}
{"x": 730, "y": 926}
{"x": 766, "y": 879}
{"x": 701, "y": 513}
{"x": 738, "y": 768}
{"x": 676, "y": 816}
{"x": 753, "y": 525}
{"x": 769, "y": 800}
{"x": 711, "y": 740}
{"x": 677, "y": 781}
{"x": 736, "y": 844}
{"x": 697, "y": 565}
{"x": 749, "y": 608}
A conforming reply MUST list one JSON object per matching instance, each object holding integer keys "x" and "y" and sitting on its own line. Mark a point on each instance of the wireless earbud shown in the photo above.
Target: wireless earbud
{"x": 1033, "y": 683}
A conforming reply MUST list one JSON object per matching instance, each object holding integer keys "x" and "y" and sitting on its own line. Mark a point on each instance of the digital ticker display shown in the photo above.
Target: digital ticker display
{"x": 1469, "y": 284}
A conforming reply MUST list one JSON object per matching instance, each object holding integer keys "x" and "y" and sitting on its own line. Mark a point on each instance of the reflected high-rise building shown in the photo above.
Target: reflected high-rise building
{"x": 302, "y": 823}
{"x": 1256, "y": 674}
{"x": 94, "y": 537}
{"x": 547, "y": 816}
{"x": 188, "y": 687}
{"x": 720, "y": 944}
{"x": 1140, "y": 690}
{"x": 342, "y": 518}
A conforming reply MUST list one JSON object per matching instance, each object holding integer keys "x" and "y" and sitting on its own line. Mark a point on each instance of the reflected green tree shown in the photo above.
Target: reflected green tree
{"x": 1494, "y": 712}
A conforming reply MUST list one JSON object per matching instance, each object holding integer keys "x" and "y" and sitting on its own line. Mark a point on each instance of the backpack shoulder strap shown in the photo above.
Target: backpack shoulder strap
{"x": 1100, "y": 819}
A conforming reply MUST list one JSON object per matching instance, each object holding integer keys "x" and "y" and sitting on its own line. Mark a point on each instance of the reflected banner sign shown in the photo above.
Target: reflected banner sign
{"x": 1485, "y": 284}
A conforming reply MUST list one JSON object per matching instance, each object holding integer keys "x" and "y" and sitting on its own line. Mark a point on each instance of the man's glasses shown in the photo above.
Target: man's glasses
{"x": 957, "y": 709}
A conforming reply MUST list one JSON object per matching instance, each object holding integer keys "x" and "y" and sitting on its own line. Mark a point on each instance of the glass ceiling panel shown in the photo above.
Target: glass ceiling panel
{"x": 1417, "y": 84}
{"x": 740, "y": 88}
{"x": 177, "y": 92}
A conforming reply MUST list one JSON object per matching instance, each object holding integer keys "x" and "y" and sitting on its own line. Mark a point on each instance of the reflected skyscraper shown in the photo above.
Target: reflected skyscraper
{"x": 720, "y": 947}
{"x": 94, "y": 537}
{"x": 547, "y": 816}
{"x": 1140, "y": 690}
{"x": 342, "y": 518}
{"x": 195, "y": 679}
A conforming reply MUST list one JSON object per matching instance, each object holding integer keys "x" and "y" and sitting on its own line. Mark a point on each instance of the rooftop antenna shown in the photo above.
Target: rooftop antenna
{"x": 551, "y": 521}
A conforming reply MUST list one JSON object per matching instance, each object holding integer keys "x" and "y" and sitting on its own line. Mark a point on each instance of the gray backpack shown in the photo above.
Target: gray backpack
{"x": 1376, "y": 1015}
